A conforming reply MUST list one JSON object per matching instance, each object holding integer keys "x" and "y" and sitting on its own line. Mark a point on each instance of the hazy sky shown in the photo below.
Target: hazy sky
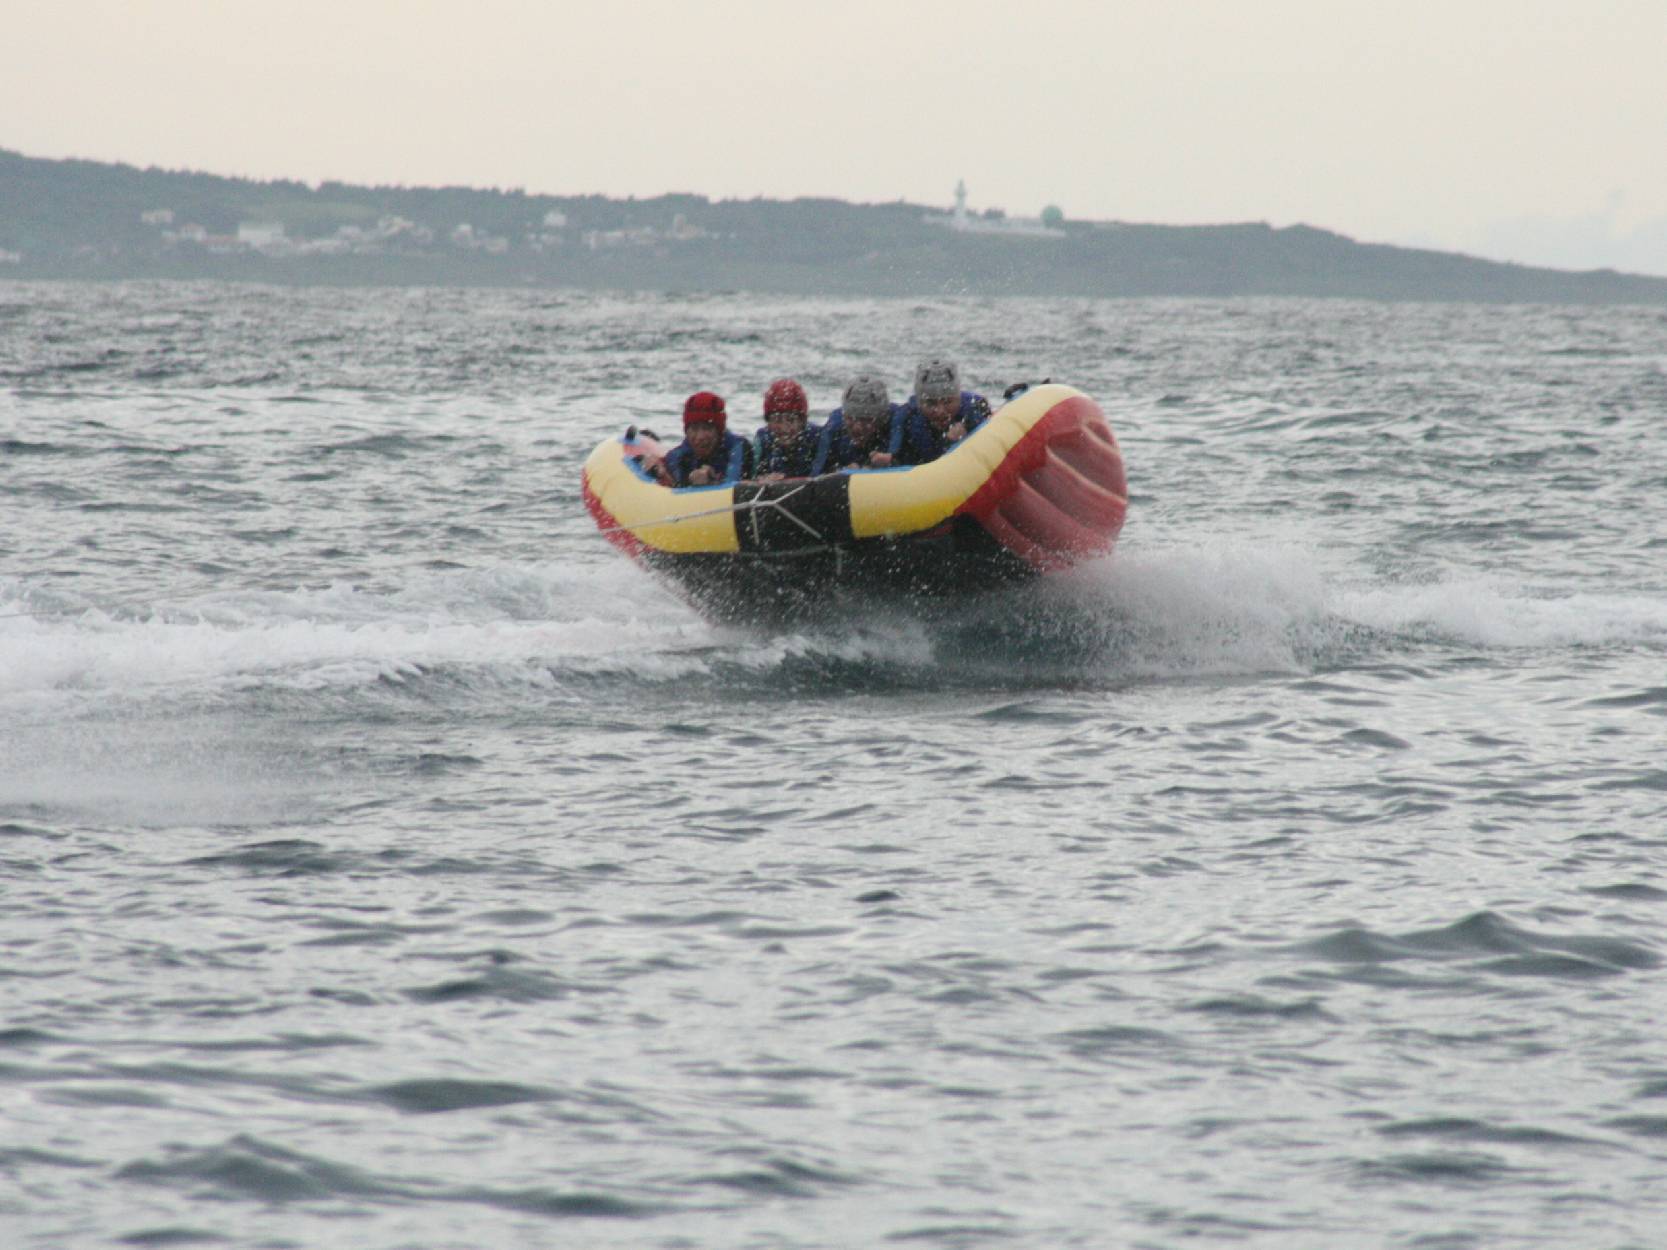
{"x": 1532, "y": 130}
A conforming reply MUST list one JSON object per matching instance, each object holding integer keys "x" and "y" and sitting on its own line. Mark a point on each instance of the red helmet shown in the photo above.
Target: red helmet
{"x": 786, "y": 395}
{"x": 705, "y": 406}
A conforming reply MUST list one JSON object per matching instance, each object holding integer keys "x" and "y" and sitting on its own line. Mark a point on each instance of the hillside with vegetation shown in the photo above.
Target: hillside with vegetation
{"x": 74, "y": 219}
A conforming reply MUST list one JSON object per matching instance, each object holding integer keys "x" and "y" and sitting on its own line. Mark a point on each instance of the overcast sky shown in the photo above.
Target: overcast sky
{"x": 1530, "y": 130}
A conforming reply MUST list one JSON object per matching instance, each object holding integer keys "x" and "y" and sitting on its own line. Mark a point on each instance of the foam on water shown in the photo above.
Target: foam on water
{"x": 1154, "y": 611}
{"x": 339, "y": 638}
{"x": 1489, "y": 612}
{"x": 1233, "y": 607}
{"x": 100, "y": 656}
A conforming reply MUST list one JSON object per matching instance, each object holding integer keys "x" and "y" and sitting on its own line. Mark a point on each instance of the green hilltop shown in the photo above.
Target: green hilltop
{"x": 77, "y": 219}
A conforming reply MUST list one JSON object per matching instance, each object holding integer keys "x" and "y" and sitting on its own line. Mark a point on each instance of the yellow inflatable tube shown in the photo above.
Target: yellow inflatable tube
{"x": 640, "y": 514}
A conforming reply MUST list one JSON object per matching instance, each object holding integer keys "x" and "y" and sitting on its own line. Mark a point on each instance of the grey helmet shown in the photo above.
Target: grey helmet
{"x": 937, "y": 379}
{"x": 866, "y": 398}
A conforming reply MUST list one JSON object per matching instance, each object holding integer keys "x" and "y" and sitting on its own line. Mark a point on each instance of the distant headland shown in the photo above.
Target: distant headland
{"x": 75, "y": 219}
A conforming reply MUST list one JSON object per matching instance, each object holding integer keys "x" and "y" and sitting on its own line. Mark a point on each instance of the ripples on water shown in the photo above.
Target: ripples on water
{"x": 388, "y": 863}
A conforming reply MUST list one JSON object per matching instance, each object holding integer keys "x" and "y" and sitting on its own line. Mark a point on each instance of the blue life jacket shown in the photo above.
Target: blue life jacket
{"x": 834, "y": 450}
{"x": 768, "y": 456}
{"x": 922, "y": 444}
{"x": 732, "y": 459}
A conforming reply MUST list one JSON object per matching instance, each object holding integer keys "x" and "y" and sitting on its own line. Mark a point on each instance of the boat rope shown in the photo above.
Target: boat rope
{"x": 790, "y": 515}
{"x": 751, "y": 505}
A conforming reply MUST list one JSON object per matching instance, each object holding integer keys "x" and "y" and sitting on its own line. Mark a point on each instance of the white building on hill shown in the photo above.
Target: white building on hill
{"x": 991, "y": 221}
{"x": 261, "y": 233}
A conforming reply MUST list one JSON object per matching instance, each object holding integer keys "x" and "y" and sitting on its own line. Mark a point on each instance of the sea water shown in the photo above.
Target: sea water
{"x": 386, "y": 862}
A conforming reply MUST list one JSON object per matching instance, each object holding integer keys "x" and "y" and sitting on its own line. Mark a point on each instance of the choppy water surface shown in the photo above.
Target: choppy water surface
{"x": 386, "y": 862}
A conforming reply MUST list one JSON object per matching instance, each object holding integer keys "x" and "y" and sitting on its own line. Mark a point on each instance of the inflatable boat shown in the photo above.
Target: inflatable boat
{"x": 1036, "y": 488}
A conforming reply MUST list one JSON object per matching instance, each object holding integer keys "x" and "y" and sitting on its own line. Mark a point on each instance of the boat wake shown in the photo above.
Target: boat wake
{"x": 604, "y": 631}
{"x": 212, "y": 712}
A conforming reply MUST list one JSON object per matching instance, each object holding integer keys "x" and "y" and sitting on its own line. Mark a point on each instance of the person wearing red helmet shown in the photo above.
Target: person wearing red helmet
{"x": 709, "y": 454}
{"x": 786, "y": 444}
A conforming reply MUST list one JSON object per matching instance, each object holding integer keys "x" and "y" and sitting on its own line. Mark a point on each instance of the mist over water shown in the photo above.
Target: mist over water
{"x": 387, "y": 862}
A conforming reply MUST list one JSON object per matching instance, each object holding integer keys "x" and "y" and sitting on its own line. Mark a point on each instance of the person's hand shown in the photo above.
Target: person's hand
{"x": 656, "y": 469}
{"x": 769, "y": 477}
{"x": 880, "y": 460}
{"x": 703, "y": 476}
{"x": 956, "y": 432}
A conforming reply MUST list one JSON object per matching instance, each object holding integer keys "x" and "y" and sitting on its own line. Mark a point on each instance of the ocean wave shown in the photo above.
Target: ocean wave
{"x": 1490, "y": 611}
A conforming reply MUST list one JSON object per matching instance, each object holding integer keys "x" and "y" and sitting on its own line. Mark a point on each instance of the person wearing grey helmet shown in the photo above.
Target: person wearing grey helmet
{"x": 862, "y": 433}
{"x": 939, "y": 414}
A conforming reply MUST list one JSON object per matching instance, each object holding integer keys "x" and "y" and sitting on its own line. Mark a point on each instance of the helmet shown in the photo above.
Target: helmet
{"x": 705, "y": 406}
{"x": 866, "y": 398}
{"x": 786, "y": 395}
{"x": 937, "y": 379}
